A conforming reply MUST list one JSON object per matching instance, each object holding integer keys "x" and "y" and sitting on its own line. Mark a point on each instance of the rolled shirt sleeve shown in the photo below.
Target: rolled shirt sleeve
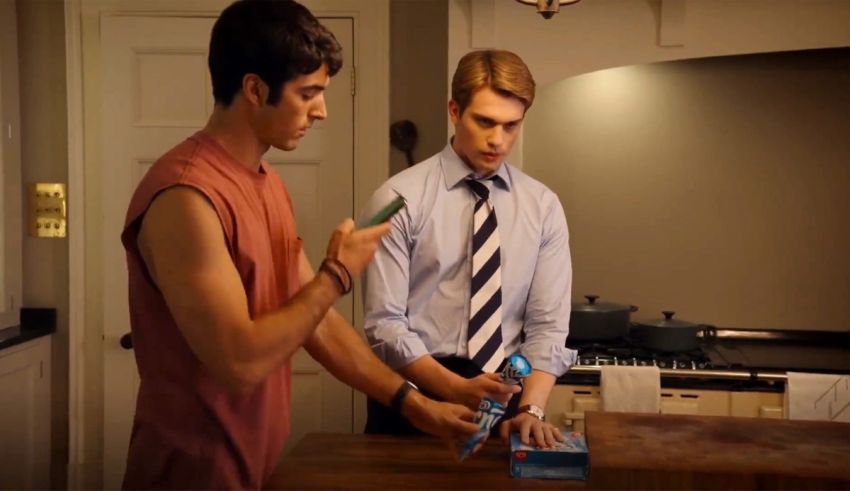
{"x": 547, "y": 313}
{"x": 386, "y": 290}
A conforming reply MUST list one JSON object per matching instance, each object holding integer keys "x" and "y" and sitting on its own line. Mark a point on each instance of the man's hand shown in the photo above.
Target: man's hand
{"x": 452, "y": 423}
{"x": 532, "y": 431}
{"x": 355, "y": 248}
{"x": 469, "y": 392}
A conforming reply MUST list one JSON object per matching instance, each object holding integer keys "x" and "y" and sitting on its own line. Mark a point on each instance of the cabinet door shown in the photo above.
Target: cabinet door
{"x": 25, "y": 416}
{"x": 757, "y": 404}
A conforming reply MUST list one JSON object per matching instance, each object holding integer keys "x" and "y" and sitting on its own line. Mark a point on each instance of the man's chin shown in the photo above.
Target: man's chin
{"x": 287, "y": 146}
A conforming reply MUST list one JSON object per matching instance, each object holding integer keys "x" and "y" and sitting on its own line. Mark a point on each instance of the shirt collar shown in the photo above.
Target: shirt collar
{"x": 455, "y": 170}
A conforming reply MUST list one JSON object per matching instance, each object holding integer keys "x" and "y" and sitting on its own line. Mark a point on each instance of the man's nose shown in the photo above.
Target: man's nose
{"x": 496, "y": 137}
{"x": 320, "y": 110}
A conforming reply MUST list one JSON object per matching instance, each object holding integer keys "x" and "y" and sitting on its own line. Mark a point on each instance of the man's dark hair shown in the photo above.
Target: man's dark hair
{"x": 278, "y": 40}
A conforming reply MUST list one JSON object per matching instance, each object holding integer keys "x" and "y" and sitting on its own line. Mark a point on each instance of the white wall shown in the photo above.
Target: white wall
{"x": 717, "y": 188}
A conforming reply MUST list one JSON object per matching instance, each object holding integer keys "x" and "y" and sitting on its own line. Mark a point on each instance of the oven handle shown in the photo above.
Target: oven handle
{"x": 688, "y": 373}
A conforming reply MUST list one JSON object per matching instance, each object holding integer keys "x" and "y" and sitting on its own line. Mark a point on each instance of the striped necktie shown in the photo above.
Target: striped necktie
{"x": 485, "y": 304}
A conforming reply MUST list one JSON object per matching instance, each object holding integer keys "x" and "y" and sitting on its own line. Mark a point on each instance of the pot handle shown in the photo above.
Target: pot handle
{"x": 633, "y": 308}
{"x": 709, "y": 332}
{"x": 591, "y": 299}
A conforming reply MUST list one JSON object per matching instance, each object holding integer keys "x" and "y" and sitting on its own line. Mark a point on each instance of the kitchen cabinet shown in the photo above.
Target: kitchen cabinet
{"x": 757, "y": 404}
{"x": 568, "y": 404}
{"x": 25, "y": 415}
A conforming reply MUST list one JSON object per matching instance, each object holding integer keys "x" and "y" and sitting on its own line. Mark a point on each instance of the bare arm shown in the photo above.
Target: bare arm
{"x": 339, "y": 348}
{"x": 428, "y": 373}
{"x": 205, "y": 295}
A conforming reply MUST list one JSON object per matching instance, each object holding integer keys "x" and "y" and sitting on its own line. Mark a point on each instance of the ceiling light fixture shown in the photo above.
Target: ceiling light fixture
{"x": 548, "y": 8}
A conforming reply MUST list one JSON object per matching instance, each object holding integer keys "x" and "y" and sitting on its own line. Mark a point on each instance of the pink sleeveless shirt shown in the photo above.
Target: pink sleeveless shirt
{"x": 188, "y": 432}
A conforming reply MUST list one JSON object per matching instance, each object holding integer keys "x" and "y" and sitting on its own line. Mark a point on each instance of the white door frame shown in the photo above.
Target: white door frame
{"x": 371, "y": 168}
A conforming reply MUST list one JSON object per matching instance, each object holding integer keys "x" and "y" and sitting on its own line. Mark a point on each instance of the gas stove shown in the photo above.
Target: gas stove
{"x": 624, "y": 352}
{"x": 701, "y": 368}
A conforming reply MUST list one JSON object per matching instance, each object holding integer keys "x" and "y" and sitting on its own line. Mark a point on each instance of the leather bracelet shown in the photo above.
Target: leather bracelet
{"x": 398, "y": 399}
{"x": 340, "y": 266}
{"x": 336, "y": 276}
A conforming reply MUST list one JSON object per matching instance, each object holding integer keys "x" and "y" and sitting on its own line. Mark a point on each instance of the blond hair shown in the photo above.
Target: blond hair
{"x": 502, "y": 71}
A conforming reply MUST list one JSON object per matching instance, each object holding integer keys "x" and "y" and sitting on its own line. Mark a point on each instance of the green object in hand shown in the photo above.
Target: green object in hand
{"x": 387, "y": 212}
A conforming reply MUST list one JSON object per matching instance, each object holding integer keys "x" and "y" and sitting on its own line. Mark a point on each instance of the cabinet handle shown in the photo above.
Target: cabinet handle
{"x": 126, "y": 341}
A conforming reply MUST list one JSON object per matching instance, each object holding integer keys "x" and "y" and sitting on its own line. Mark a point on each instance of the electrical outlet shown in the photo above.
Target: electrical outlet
{"x": 47, "y": 215}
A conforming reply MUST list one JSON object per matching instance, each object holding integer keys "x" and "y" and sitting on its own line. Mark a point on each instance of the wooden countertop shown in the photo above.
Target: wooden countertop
{"x": 630, "y": 451}
{"x": 627, "y": 451}
{"x": 363, "y": 462}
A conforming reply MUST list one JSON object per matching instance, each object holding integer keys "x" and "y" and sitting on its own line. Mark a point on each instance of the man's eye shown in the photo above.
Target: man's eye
{"x": 510, "y": 126}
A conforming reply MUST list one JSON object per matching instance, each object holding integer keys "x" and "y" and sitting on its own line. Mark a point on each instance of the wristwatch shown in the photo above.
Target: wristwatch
{"x": 532, "y": 410}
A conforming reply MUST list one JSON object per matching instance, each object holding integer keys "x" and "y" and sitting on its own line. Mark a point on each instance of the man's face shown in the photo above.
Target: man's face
{"x": 302, "y": 102}
{"x": 487, "y": 129}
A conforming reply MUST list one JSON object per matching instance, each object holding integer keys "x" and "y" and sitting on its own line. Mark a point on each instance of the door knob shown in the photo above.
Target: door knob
{"x": 126, "y": 341}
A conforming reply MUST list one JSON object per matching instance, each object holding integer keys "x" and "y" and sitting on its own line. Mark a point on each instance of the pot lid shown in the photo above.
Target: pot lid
{"x": 593, "y": 306}
{"x": 667, "y": 322}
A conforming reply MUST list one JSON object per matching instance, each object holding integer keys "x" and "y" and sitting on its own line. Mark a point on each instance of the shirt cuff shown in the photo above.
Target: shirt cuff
{"x": 552, "y": 358}
{"x": 401, "y": 351}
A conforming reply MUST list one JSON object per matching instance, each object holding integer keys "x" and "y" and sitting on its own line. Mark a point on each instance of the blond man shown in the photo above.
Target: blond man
{"x": 477, "y": 265}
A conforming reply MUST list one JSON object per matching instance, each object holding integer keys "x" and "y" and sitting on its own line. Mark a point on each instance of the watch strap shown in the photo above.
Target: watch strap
{"x": 533, "y": 410}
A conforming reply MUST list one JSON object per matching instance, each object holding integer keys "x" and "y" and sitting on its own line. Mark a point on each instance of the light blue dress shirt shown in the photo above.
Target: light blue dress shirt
{"x": 418, "y": 286}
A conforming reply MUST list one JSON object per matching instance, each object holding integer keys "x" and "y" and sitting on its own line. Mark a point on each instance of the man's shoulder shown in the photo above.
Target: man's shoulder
{"x": 412, "y": 184}
{"x": 524, "y": 183}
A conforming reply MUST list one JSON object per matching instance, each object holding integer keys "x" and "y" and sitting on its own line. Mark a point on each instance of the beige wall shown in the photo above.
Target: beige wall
{"x": 418, "y": 80}
{"x": 718, "y": 188}
{"x": 44, "y": 158}
{"x": 596, "y": 34}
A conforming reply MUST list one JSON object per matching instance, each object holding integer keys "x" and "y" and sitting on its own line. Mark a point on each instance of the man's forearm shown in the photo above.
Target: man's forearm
{"x": 428, "y": 374}
{"x": 536, "y": 388}
{"x": 340, "y": 349}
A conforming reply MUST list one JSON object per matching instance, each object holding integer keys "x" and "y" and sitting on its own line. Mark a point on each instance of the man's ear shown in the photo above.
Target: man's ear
{"x": 454, "y": 111}
{"x": 255, "y": 91}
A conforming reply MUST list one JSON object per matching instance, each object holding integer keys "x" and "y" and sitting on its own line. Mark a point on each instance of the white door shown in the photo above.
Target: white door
{"x": 156, "y": 92}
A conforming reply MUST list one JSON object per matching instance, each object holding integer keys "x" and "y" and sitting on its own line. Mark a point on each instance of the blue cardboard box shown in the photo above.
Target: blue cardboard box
{"x": 567, "y": 460}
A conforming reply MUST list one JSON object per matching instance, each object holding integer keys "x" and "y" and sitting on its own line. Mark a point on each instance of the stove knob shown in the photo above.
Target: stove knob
{"x": 693, "y": 365}
{"x": 634, "y": 362}
{"x": 596, "y": 360}
{"x": 701, "y": 365}
{"x": 660, "y": 364}
{"x": 615, "y": 361}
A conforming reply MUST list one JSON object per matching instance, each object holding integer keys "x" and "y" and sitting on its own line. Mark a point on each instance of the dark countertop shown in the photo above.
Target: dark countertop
{"x": 35, "y": 323}
{"x": 14, "y": 335}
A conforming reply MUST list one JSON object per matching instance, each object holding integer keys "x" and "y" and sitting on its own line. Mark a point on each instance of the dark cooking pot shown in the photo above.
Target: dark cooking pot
{"x": 669, "y": 334}
{"x": 599, "y": 321}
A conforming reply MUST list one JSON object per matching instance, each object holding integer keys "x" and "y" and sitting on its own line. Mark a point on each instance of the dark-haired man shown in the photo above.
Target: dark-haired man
{"x": 221, "y": 293}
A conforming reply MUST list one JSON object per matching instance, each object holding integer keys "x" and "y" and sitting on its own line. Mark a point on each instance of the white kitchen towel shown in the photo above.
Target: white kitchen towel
{"x": 628, "y": 389}
{"x": 818, "y": 396}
